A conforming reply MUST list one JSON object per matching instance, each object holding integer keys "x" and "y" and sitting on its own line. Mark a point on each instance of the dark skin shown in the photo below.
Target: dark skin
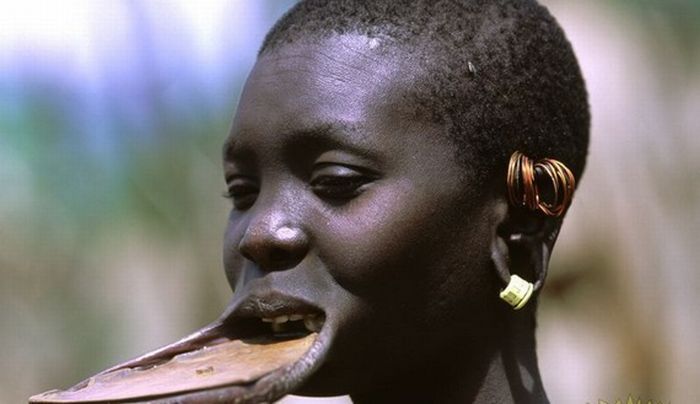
{"x": 365, "y": 259}
{"x": 347, "y": 200}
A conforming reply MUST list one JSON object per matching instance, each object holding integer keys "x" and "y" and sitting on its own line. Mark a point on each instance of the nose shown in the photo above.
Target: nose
{"x": 274, "y": 242}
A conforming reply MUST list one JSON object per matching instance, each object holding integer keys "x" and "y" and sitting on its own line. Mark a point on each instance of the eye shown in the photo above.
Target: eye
{"x": 242, "y": 191}
{"x": 339, "y": 182}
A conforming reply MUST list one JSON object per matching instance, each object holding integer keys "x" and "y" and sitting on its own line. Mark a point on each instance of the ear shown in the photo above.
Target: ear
{"x": 522, "y": 244}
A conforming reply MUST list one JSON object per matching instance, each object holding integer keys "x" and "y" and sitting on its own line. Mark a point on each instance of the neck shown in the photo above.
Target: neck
{"x": 502, "y": 370}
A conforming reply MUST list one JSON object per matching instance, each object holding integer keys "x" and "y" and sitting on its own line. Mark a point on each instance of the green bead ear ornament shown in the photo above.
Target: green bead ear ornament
{"x": 518, "y": 292}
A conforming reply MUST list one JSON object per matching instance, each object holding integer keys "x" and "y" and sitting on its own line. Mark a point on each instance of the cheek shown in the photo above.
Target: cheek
{"x": 233, "y": 260}
{"x": 389, "y": 237}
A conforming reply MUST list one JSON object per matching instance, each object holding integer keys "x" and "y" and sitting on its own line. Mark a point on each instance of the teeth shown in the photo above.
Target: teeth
{"x": 277, "y": 327}
{"x": 313, "y": 323}
{"x": 281, "y": 319}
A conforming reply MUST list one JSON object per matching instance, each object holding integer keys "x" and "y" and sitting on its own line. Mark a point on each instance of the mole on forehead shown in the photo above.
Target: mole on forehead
{"x": 350, "y": 42}
{"x": 376, "y": 55}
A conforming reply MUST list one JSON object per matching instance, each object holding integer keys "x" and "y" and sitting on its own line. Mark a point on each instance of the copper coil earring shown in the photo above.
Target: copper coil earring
{"x": 524, "y": 189}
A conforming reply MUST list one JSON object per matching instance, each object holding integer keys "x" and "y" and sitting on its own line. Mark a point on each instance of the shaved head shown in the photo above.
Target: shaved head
{"x": 498, "y": 75}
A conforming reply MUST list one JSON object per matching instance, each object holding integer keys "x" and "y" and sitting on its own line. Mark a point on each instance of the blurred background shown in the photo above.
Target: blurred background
{"x": 112, "y": 114}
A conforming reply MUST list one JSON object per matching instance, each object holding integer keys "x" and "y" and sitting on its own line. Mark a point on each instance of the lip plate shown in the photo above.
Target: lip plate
{"x": 235, "y": 363}
{"x": 263, "y": 304}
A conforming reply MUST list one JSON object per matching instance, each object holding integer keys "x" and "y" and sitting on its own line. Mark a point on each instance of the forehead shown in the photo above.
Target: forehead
{"x": 341, "y": 67}
{"x": 345, "y": 80}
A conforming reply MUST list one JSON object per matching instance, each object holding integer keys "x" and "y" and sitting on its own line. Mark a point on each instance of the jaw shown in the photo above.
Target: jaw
{"x": 239, "y": 358}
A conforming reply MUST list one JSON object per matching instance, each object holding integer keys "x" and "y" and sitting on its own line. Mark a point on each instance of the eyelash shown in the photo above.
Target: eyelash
{"x": 337, "y": 188}
{"x": 242, "y": 195}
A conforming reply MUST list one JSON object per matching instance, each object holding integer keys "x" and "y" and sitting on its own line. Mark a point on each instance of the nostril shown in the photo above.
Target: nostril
{"x": 244, "y": 252}
{"x": 281, "y": 259}
{"x": 278, "y": 255}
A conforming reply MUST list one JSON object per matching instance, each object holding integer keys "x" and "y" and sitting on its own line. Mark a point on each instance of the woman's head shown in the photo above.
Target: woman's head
{"x": 344, "y": 199}
{"x": 367, "y": 163}
{"x": 367, "y": 170}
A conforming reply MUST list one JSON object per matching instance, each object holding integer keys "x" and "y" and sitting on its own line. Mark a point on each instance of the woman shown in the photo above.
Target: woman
{"x": 394, "y": 167}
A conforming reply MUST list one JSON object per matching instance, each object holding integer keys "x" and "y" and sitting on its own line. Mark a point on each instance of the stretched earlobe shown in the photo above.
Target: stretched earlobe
{"x": 500, "y": 258}
{"x": 539, "y": 192}
{"x": 520, "y": 256}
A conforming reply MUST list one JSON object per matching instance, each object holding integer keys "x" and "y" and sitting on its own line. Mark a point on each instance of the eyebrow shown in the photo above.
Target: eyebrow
{"x": 336, "y": 134}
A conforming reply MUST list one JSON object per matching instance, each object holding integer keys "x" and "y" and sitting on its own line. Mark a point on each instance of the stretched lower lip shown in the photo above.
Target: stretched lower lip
{"x": 220, "y": 363}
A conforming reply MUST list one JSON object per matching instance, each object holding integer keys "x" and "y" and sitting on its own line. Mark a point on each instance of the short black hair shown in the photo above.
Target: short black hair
{"x": 500, "y": 74}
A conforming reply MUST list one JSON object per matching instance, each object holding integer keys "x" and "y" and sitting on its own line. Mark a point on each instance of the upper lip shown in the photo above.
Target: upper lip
{"x": 273, "y": 304}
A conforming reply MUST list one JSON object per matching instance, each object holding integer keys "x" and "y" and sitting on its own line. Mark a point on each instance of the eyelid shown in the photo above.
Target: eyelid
{"x": 342, "y": 169}
{"x": 340, "y": 183}
{"x": 230, "y": 178}
{"x": 351, "y": 160}
{"x": 334, "y": 170}
{"x": 242, "y": 190}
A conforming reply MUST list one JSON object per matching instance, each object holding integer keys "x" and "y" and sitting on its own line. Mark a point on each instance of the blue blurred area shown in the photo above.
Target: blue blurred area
{"x": 112, "y": 116}
{"x": 100, "y": 100}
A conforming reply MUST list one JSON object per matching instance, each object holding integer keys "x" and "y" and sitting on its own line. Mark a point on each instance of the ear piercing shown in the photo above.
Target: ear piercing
{"x": 525, "y": 178}
{"x": 517, "y": 292}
